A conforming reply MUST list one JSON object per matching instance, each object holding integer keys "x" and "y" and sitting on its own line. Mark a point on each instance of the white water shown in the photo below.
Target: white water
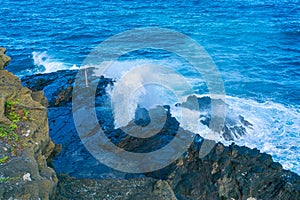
{"x": 276, "y": 130}
{"x": 48, "y": 64}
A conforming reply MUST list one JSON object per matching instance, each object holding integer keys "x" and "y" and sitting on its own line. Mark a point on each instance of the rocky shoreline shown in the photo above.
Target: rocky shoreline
{"x": 225, "y": 173}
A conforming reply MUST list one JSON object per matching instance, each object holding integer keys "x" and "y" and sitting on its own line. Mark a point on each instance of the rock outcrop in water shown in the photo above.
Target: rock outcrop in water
{"x": 235, "y": 126}
{"x": 25, "y": 144}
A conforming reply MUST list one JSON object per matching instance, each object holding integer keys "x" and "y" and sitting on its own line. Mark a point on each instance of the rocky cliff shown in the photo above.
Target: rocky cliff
{"x": 25, "y": 144}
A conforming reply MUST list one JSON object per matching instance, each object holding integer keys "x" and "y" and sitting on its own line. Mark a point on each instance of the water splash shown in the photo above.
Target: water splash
{"x": 47, "y": 63}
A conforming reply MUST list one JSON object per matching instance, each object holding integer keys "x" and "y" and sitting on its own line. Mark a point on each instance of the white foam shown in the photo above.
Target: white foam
{"x": 137, "y": 86}
{"x": 48, "y": 63}
{"x": 74, "y": 67}
{"x": 276, "y": 129}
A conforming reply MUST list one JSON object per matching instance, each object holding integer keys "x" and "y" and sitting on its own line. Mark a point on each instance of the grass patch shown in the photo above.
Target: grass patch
{"x": 4, "y": 159}
{"x": 10, "y": 134}
{"x": 4, "y": 179}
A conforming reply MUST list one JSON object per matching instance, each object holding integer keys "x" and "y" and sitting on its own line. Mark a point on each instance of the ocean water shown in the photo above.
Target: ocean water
{"x": 255, "y": 45}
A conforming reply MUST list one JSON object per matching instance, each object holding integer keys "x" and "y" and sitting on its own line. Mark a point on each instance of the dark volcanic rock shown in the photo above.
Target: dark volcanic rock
{"x": 226, "y": 173}
{"x": 56, "y": 86}
{"x": 146, "y": 188}
{"x": 142, "y": 117}
{"x": 162, "y": 137}
{"x": 235, "y": 126}
{"x": 232, "y": 173}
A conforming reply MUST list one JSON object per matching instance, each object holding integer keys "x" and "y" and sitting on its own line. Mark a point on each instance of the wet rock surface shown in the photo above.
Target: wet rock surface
{"x": 235, "y": 126}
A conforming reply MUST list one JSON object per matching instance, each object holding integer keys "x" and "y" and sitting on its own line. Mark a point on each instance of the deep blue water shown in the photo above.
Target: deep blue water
{"x": 255, "y": 45}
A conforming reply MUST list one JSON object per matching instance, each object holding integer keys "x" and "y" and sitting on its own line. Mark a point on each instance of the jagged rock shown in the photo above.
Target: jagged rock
{"x": 226, "y": 173}
{"x": 25, "y": 174}
{"x": 232, "y": 173}
{"x": 142, "y": 117}
{"x": 146, "y": 188}
{"x": 4, "y": 59}
{"x": 235, "y": 126}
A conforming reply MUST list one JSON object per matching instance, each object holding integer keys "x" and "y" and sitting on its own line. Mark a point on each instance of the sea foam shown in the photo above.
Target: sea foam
{"x": 47, "y": 64}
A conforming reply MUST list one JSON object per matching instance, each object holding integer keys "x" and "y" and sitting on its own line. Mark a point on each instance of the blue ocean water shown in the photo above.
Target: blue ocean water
{"x": 254, "y": 43}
